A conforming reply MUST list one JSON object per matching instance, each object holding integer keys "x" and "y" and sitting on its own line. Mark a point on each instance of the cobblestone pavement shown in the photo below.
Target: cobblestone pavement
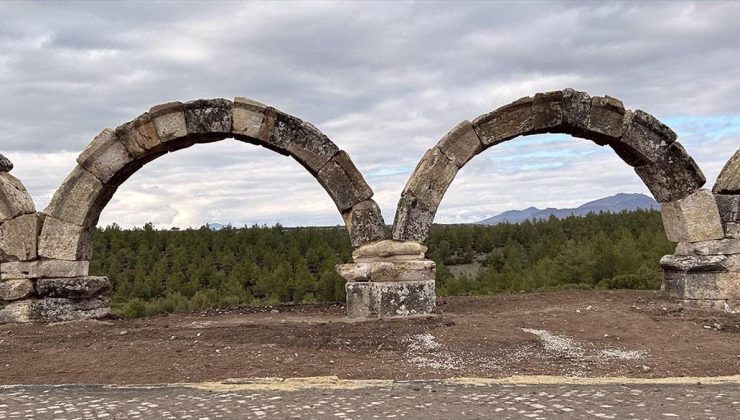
{"x": 415, "y": 399}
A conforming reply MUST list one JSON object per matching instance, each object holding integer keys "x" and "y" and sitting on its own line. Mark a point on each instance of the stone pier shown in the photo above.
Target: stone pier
{"x": 389, "y": 279}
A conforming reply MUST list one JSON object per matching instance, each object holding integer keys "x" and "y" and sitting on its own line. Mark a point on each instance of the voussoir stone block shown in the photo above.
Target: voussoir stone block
{"x": 248, "y": 119}
{"x": 169, "y": 121}
{"x": 461, "y": 144}
{"x": 43, "y": 269}
{"x": 728, "y": 181}
{"x": 15, "y": 289}
{"x": 645, "y": 139}
{"x": 5, "y": 164}
{"x": 19, "y": 237}
{"x": 390, "y": 299}
{"x": 505, "y": 123}
{"x": 673, "y": 176}
{"x": 414, "y": 219}
{"x": 344, "y": 183}
{"x": 364, "y": 222}
{"x": 139, "y": 136}
{"x": 547, "y": 112}
{"x": 14, "y": 199}
{"x": 60, "y": 240}
{"x": 208, "y": 117}
{"x": 431, "y": 178}
{"x": 606, "y": 121}
{"x": 104, "y": 156}
{"x": 73, "y": 288}
{"x": 75, "y": 199}
{"x": 692, "y": 219}
{"x": 576, "y": 108}
{"x": 304, "y": 142}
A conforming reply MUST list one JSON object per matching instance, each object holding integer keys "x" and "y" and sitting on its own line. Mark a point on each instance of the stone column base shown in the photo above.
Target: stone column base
{"x": 390, "y": 299}
{"x": 713, "y": 290}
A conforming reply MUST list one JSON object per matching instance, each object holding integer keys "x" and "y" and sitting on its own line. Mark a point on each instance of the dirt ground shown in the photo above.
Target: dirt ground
{"x": 574, "y": 333}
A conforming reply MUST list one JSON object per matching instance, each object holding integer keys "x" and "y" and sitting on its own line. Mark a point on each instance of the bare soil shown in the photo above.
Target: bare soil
{"x": 577, "y": 333}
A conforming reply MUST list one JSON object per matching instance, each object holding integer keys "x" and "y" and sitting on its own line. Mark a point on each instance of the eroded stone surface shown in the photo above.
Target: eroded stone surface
{"x": 461, "y": 144}
{"x": 728, "y": 181}
{"x": 576, "y": 107}
{"x": 718, "y": 247}
{"x": 55, "y": 310}
{"x": 388, "y": 249}
{"x": 414, "y": 219}
{"x": 505, "y": 123}
{"x": 390, "y": 299}
{"x": 104, "y": 156}
{"x": 547, "y": 112}
{"x": 709, "y": 285}
{"x": 248, "y": 117}
{"x": 344, "y": 183}
{"x": 364, "y": 223}
{"x": 43, "y": 269}
{"x": 673, "y": 176}
{"x": 5, "y": 164}
{"x": 431, "y": 178}
{"x": 692, "y": 219}
{"x": 700, "y": 263}
{"x": 169, "y": 121}
{"x": 62, "y": 240}
{"x": 208, "y": 117}
{"x": 73, "y": 288}
{"x": 384, "y": 271}
{"x": 74, "y": 201}
{"x": 645, "y": 139}
{"x": 304, "y": 142}
{"x": 15, "y": 289}
{"x": 19, "y": 237}
{"x": 139, "y": 136}
{"x": 14, "y": 199}
{"x": 728, "y": 206}
{"x": 606, "y": 122}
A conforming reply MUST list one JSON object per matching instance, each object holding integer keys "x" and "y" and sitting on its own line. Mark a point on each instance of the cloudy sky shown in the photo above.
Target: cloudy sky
{"x": 384, "y": 80}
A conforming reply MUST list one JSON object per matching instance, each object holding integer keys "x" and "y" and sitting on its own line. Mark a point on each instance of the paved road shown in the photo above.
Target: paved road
{"x": 415, "y": 400}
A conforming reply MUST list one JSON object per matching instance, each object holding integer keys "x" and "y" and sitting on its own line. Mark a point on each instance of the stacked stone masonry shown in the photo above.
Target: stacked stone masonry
{"x": 44, "y": 255}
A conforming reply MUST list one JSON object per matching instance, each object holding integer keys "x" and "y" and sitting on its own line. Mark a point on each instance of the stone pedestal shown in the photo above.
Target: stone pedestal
{"x": 389, "y": 279}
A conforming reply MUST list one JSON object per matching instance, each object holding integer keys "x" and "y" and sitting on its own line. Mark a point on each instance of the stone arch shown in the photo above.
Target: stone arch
{"x": 114, "y": 155}
{"x": 19, "y": 223}
{"x": 638, "y": 138}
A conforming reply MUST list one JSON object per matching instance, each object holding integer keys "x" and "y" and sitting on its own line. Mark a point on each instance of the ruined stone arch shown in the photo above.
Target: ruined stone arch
{"x": 727, "y": 194}
{"x": 637, "y": 137}
{"x": 113, "y": 156}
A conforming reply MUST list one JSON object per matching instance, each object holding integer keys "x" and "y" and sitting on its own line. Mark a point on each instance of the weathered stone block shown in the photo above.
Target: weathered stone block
{"x": 728, "y": 206}
{"x": 304, "y": 142}
{"x": 139, "y": 136}
{"x": 717, "y": 247}
{"x": 707, "y": 285}
{"x": 414, "y": 219}
{"x": 645, "y": 139}
{"x": 732, "y": 230}
{"x": 73, "y": 288}
{"x": 389, "y": 250}
{"x": 15, "y": 289}
{"x": 344, "y": 183}
{"x": 388, "y": 300}
{"x": 104, "y": 156}
{"x": 673, "y": 176}
{"x": 606, "y": 122}
{"x": 208, "y": 118}
{"x": 5, "y": 164}
{"x": 385, "y": 271}
{"x": 700, "y": 263}
{"x": 74, "y": 201}
{"x": 431, "y": 178}
{"x": 364, "y": 223}
{"x": 248, "y": 118}
{"x": 169, "y": 121}
{"x": 55, "y": 310}
{"x": 14, "y": 199}
{"x": 576, "y": 107}
{"x": 43, "y": 269}
{"x": 461, "y": 144}
{"x": 547, "y": 112}
{"x": 19, "y": 238}
{"x": 692, "y": 219}
{"x": 60, "y": 240}
{"x": 728, "y": 181}
{"x": 505, "y": 123}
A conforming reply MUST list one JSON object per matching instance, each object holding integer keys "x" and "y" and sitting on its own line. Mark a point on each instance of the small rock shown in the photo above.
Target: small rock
{"x": 124, "y": 332}
{"x": 578, "y": 311}
{"x": 606, "y": 335}
{"x": 589, "y": 308}
{"x": 274, "y": 311}
{"x": 5, "y": 164}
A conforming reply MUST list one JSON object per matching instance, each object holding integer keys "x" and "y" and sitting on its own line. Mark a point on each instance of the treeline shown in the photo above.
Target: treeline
{"x": 164, "y": 271}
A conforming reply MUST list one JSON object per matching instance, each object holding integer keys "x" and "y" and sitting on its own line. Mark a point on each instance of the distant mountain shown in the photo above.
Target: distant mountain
{"x": 613, "y": 204}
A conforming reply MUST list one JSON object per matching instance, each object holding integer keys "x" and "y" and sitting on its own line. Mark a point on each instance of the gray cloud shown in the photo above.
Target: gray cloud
{"x": 384, "y": 80}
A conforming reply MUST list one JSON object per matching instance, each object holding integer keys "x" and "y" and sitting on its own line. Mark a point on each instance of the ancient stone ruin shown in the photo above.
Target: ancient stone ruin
{"x": 44, "y": 256}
